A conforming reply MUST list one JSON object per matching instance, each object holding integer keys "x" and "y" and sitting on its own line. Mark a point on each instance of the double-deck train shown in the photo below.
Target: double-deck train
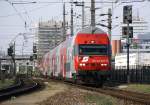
{"x": 85, "y": 57}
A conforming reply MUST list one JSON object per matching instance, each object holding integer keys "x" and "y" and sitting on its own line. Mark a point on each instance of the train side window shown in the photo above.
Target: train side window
{"x": 75, "y": 50}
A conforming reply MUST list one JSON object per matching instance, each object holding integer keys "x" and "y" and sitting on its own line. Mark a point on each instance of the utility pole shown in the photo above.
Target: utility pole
{"x": 13, "y": 58}
{"x": 128, "y": 45}
{"x": 82, "y": 15}
{"x": 64, "y": 22}
{"x": 129, "y": 35}
{"x": 92, "y": 14}
{"x": 55, "y": 34}
{"x": 0, "y": 71}
{"x": 71, "y": 20}
{"x": 128, "y": 32}
{"x": 109, "y": 23}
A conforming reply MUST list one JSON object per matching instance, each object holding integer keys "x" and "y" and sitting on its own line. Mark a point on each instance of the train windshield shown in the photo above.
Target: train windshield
{"x": 93, "y": 49}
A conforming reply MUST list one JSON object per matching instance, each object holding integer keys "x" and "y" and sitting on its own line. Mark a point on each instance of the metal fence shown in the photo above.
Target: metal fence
{"x": 141, "y": 75}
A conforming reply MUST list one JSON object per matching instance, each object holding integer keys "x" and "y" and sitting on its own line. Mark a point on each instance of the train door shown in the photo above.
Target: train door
{"x": 64, "y": 61}
{"x": 67, "y": 65}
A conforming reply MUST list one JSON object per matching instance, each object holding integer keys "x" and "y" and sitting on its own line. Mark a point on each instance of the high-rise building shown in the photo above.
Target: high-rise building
{"x": 49, "y": 35}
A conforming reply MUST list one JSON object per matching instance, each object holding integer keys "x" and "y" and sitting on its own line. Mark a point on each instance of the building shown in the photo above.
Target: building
{"x": 140, "y": 19}
{"x": 49, "y": 35}
{"x": 140, "y": 44}
{"x": 116, "y": 47}
{"x": 140, "y": 29}
{"x": 139, "y": 52}
{"x": 136, "y": 60}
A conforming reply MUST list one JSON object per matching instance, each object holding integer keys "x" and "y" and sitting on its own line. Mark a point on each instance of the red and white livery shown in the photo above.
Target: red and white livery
{"x": 84, "y": 57}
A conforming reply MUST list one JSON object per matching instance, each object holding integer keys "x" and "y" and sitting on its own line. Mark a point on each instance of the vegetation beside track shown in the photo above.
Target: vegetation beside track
{"x": 98, "y": 99}
{"x": 6, "y": 83}
{"x": 139, "y": 88}
{"x": 75, "y": 96}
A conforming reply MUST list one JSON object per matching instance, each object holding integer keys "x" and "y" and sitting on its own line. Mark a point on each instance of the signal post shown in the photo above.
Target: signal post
{"x": 128, "y": 32}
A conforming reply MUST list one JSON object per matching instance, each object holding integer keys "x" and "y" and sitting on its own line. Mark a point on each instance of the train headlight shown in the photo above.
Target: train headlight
{"x": 80, "y": 64}
{"x": 103, "y": 64}
{"x": 83, "y": 64}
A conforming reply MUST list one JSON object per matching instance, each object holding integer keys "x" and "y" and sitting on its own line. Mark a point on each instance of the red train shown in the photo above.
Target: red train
{"x": 84, "y": 57}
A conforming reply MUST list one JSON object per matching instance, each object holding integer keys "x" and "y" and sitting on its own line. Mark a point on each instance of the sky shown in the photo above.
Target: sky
{"x": 14, "y": 17}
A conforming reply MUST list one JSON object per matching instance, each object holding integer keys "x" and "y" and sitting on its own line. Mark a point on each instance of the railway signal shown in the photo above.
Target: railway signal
{"x": 127, "y": 19}
{"x": 34, "y": 49}
{"x": 10, "y": 51}
{"x": 127, "y": 14}
{"x": 34, "y": 52}
{"x": 125, "y": 32}
{"x": 31, "y": 58}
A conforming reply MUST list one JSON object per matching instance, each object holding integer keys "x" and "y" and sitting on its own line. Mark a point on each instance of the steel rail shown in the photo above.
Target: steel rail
{"x": 26, "y": 86}
{"x": 129, "y": 97}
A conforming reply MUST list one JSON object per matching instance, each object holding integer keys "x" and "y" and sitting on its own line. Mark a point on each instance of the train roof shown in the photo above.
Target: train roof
{"x": 94, "y": 30}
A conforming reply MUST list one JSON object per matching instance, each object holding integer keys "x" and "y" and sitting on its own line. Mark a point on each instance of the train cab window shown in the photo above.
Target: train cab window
{"x": 80, "y": 51}
{"x": 93, "y": 49}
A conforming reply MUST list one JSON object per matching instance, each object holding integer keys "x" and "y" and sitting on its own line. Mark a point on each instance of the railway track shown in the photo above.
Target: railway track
{"x": 23, "y": 86}
{"x": 128, "y": 97}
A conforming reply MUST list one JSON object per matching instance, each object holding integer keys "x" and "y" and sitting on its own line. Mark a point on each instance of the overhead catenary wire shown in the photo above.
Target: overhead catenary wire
{"x": 32, "y": 10}
{"x": 16, "y": 11}
{"x": 106, "y": 2}
{"x": 26, "y": 12}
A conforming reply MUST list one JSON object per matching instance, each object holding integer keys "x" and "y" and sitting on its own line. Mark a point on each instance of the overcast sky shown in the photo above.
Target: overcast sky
{"x": 13, "y": 18}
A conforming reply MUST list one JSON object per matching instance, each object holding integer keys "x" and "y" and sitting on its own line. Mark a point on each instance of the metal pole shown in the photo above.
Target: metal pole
{"x": 64, "y": 22}
{"x": 92, "y": 13}
{"x": 13, "y": 57}
{"x": 128, "y": 45}
{"x": 55, "y": 34}
{"x": 82, "y": 15}
{"x": 0, "y": 71}
{"x": 71, "y": 21}
{"x": 109, "y": 29}
{"x": 22, "y": 48}
{"x": 109, "y": 23}
{"x": 33, "y": 67}
{"x": 27, "y": 69}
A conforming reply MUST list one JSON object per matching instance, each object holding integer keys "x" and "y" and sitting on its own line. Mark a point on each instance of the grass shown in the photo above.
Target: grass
{"x": 7, "y": 83}
{"x": 96, "y": 99}
{"x": 139, "y": 88}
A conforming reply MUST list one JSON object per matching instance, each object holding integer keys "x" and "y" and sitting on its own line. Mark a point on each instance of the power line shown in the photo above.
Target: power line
{"x": 16, "y": 10}
{"x": 32, "y": 10}
{"x": 11, "y": 25}
{"x": 55, "y": 2}
{"x": 26, "y": 12}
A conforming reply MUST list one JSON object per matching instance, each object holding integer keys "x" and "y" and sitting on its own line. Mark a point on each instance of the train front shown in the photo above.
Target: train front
{"x": 92, "y": 57}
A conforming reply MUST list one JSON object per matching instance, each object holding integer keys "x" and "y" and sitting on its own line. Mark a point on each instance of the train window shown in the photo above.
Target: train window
{"x": 93, "y": 49}
{"x": 75, "y": 50}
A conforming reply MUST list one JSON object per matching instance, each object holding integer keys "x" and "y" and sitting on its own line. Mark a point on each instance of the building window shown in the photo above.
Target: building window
{"x": 147, "y": 47}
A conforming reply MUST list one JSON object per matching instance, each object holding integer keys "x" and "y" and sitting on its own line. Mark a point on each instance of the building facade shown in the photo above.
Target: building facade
{"x": 116, "y": 47}
{"x": 140, "y": 44}
{"x": 140, "y": 19}
{"x": 49, "y": 35}
{"x": 136, "y": 60}
{"x": 139, "y": 52}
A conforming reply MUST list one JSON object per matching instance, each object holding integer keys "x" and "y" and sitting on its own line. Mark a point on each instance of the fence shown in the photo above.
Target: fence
{"x": 141, "y": 75}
